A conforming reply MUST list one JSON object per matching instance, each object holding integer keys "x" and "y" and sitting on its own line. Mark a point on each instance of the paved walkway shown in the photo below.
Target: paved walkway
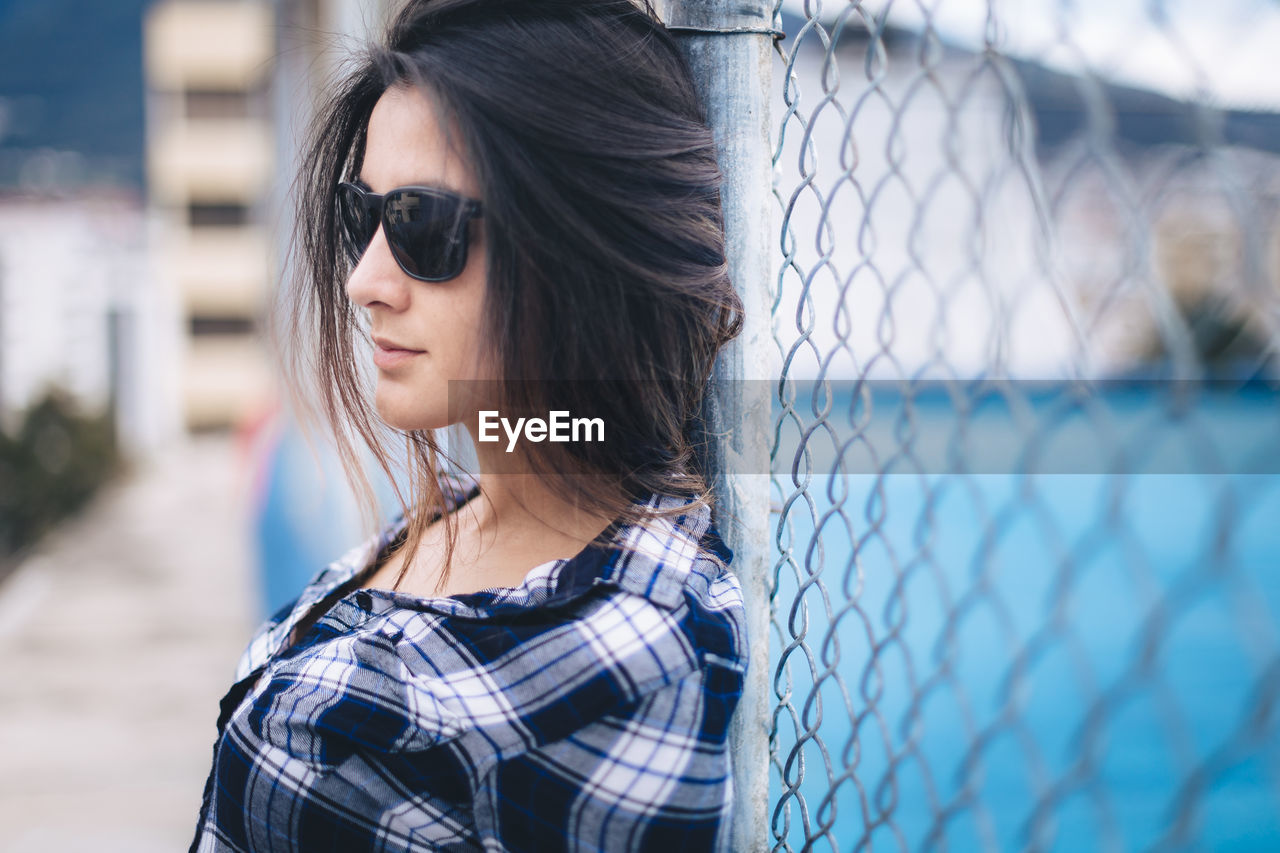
{"x": 118, "y": 637}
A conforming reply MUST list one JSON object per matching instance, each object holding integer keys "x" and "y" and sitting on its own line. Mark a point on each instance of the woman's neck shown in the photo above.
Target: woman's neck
{"x": 515, "y": 502}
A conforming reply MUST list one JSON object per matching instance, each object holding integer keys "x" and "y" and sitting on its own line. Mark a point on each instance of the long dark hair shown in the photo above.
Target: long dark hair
{"x": 608, "y": 289}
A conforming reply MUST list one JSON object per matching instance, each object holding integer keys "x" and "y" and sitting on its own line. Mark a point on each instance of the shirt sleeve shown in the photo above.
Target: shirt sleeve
{"x": 654, "y": 777}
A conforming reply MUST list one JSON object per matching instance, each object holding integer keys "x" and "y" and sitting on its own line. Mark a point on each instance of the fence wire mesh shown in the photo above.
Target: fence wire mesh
{"x": 1026, "y": 492}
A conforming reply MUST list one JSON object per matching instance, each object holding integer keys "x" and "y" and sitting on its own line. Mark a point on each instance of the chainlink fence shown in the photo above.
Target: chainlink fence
{"x": 1025, "y": 489}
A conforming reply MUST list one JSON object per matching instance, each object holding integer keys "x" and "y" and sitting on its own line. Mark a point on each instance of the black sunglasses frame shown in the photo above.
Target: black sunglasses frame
{"x": 374, "y": 205}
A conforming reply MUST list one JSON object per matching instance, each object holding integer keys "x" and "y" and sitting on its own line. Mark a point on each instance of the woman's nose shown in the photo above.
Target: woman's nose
{"x": 378, "y": 279}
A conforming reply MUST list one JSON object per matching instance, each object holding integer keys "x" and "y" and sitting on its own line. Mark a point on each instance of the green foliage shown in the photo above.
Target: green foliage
{"x": 51, "y": 468}
{"x": 1226, "y": 340}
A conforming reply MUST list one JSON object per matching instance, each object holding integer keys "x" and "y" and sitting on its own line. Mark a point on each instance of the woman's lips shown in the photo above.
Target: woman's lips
{"x": 388, "y": 354}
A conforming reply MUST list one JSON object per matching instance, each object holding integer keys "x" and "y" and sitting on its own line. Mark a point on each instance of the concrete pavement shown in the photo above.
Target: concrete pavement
{"x": 118, "y": 635}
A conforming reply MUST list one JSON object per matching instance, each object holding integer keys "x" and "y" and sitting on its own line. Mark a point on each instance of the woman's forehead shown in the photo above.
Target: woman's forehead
{"x": 410, "y": 142}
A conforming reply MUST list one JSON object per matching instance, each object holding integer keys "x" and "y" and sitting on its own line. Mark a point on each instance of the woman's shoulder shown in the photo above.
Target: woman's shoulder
{"x": 670, "y": 574}
{"x": 272, "y": 635}
{"x": 677, "y": 557}
{"x": 609, "y": 637}
{"x": 655, "y": 604}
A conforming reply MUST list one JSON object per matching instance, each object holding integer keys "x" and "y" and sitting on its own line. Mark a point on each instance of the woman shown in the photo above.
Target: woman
{"x": 509, "y": 210}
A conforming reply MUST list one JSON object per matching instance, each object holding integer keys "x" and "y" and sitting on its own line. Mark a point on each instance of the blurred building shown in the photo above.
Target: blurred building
{"x": 965, "y": 223}
{"x": 81, "y": 316}
{"x": 210, "y": 167}
{"x": 77, "y": 307}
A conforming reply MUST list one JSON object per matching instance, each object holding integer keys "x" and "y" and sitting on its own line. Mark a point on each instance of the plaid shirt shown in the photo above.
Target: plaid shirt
{"x": 586, "y": 709}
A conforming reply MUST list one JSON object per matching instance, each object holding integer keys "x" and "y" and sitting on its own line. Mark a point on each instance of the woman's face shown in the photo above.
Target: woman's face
{"x": 424, "y": 333}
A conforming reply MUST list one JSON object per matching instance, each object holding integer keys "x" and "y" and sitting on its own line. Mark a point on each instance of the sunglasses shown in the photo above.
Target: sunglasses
{"x": 426, "y": 228}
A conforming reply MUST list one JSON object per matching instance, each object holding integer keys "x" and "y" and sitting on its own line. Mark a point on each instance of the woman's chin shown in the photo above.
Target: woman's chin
{"x": 409, "y": 415}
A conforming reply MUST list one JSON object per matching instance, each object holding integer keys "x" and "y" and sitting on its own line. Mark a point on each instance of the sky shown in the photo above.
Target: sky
{"x": 1220, "y": 50}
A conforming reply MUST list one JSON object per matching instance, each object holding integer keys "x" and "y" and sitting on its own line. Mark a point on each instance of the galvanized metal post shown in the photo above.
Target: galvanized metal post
{"x": 728, "y": 44}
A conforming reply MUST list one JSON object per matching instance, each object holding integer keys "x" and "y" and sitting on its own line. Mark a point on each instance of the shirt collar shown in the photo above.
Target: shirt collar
{"x": 652, "y": 559}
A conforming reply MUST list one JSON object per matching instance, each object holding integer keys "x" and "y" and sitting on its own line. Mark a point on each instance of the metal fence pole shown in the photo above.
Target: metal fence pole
{"x": 729, "y": 48}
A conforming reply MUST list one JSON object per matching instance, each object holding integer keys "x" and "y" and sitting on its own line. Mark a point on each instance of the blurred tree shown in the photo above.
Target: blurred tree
{"x": 1200, "y": 257}
{"x": 1227, "y": 342}
{"x": 50, "y": 468}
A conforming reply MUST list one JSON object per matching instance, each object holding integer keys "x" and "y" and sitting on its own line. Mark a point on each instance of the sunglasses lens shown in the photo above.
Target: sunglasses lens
{"x": 358, "y": 221}
{"x": 427, "y": 233}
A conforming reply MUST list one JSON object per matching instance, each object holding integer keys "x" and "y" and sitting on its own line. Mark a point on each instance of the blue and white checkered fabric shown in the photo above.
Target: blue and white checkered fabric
{"x": 586, "y": 709}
